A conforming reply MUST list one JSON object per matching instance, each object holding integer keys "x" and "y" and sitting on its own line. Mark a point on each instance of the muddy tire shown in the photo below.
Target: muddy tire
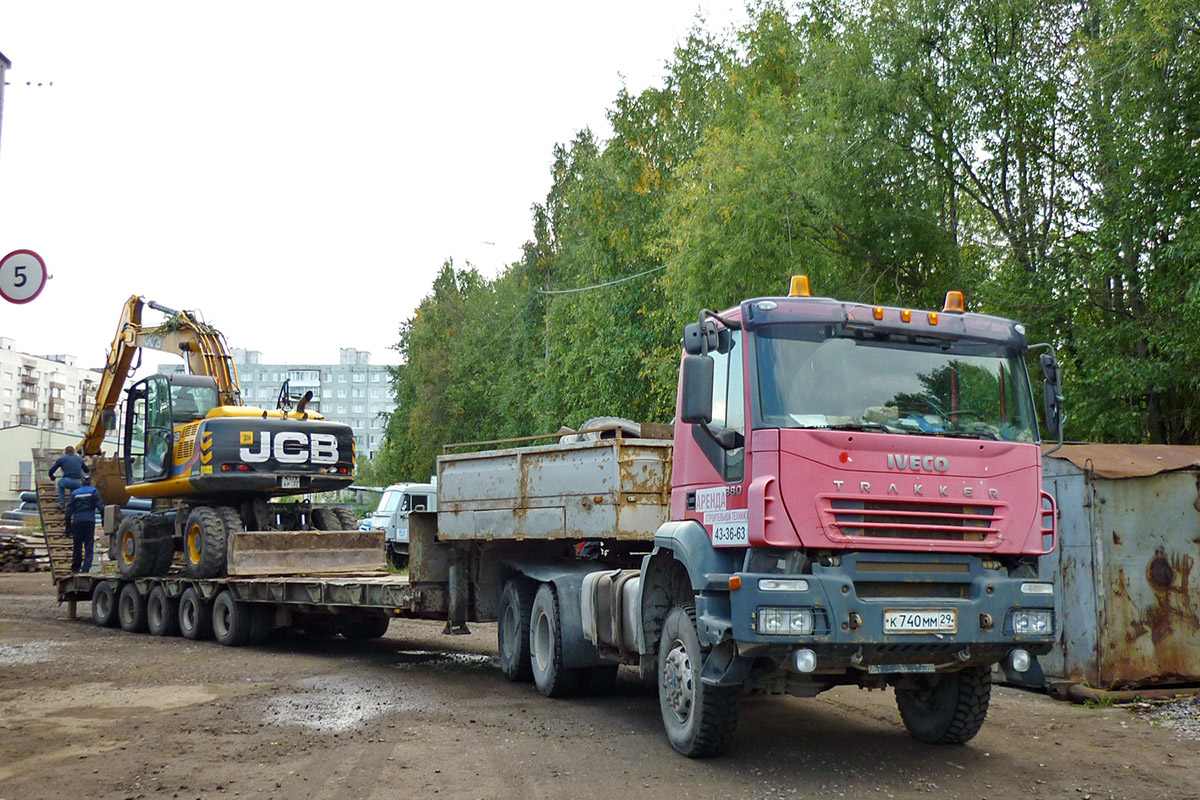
{"x": 700, "y": 720}
{"x": 346, "y": 517}
{"x": 195, "y": 615}
{"x": 512, "y": 630}
{"x": 545, "y": 647}
{"x": 371, "y": 626}
{"x": 131, "y": 609}
{"x": 162, "y": 613}
{"x": 104, "y": 605}
{"x": 205, "y": 539}
{"x": 262, "y": 620}
{"x": 231, "y": 620}
{"x": 162, "y": 531}
{"x": 136, "y": 555}
{"x": 948, "y": 708}
{"x": 324, "y": 519}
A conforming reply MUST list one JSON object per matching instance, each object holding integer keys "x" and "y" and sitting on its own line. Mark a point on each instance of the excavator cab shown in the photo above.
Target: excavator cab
{"x": 159, "y": 410}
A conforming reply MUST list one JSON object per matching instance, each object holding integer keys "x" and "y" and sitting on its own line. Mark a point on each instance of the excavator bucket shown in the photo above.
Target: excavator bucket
{"x": 108, "y": 476}
{"x": 304, "y": 552}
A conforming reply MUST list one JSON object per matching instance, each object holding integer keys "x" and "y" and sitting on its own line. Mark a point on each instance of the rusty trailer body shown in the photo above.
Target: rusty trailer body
{"x": 614, "y": 488}
{"x": 1129, "y": 539}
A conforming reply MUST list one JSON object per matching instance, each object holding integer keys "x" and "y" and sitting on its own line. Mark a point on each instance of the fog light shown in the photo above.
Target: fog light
{"x": 1019, "y": 660}
{"x": 804, "y": 660}
{"x": 1033, "y": 622}
{"x": 785, "y": 621}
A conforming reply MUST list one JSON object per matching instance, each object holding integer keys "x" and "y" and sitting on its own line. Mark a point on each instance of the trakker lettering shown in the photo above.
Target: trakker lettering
{"x": 291, "y": 447}
{"x": 918, "y": 490}
{"x": 918, "y": 463}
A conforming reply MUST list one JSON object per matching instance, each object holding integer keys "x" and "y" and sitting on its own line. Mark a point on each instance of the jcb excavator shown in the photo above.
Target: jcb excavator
{"x": 209, "y": 464}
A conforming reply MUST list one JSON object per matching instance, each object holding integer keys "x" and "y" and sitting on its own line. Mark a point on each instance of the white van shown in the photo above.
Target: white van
{"x": 398, "y": 501}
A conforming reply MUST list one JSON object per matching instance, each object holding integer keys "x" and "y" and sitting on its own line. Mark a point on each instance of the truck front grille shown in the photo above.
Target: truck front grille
{"x": 907, "y": 519}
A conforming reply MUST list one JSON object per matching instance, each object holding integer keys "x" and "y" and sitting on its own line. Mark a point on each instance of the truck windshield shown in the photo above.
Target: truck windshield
{"x": 390, "y": 501}
{"x": 823, "y": 376}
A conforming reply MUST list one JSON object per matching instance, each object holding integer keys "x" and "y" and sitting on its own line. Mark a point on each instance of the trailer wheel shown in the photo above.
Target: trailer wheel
{"x": 136, "y": 557}
{"x": 371, "y": 626}
{"x": 545, "y": 648}
{"x": 948, "y": 708}
{"x": 162, "y": 613}
{"x": 261, "y": 621}
{"x": 104, "y": 605}
{"x": 699, "y": 719}
{"x": 512, "y": 630}
{"x": 230, "y": 620}
{"x": 204, "y": 541}
{"x": 131, "y": 609}
{"x": 195, "y": 615}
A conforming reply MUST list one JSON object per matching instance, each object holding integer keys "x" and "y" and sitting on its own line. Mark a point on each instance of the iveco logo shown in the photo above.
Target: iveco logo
{"x": 918, "y": 463}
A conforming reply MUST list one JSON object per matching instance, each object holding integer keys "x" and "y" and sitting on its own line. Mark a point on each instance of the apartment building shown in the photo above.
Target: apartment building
{"x": 48, "y": 392}
{"x": 353, "y": 391}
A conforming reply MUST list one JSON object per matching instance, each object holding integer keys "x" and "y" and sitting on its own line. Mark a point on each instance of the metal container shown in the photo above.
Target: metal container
{"x": 1129, "y": 537}
{"x": 607, "y": 489}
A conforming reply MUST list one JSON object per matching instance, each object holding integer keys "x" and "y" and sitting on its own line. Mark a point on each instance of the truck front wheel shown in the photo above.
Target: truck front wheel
{"x": 700, "y": 720}
{"x": 948, "y": 708}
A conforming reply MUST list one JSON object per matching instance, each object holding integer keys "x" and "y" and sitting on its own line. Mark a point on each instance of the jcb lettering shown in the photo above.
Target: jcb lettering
{"x": 292, "y": 447}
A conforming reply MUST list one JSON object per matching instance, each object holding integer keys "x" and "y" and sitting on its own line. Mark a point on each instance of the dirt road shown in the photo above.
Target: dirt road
{"x": 97, "y": 713}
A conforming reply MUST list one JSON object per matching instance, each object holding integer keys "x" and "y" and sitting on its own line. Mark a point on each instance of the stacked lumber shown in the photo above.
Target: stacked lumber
{"x": 22, "y": 552}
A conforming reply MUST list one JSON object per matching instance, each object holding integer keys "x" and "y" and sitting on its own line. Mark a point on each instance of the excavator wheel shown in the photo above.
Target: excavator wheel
{"x": 136, "y": 557}
{"x": 346, "y": 518}
{"x": 324, "y": 519}
{"x": 204, "y": 543}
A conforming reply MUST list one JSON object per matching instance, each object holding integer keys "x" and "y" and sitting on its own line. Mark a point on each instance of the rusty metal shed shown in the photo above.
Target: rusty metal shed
{"x": 1129, "y": 537}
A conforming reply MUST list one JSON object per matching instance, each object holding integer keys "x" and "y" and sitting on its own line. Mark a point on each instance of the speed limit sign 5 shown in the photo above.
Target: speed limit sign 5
{"x": 22, "y": 276}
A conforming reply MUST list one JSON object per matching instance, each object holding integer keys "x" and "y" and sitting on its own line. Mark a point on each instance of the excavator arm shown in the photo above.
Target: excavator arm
{"x": 183, "y": 333}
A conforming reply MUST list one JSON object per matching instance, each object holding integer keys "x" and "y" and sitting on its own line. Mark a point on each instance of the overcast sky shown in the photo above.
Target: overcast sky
{"x": 295, "y": 171}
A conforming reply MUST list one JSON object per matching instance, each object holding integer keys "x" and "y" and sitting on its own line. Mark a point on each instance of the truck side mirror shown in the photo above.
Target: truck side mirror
{"x": 696, "y": 390}
{"x": 700, "y": 337}
{"x": 1052, "y": 394}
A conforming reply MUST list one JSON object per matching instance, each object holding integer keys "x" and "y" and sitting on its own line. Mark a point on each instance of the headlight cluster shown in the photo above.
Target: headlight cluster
{"x": 785, "y": 621}
{"x": 1033, "y": 622}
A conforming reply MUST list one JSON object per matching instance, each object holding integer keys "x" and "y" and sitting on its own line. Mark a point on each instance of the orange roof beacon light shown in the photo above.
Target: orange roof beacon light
{"x": 905, "y": 315}
{"x": 799, "y": 286}
{"x": 954, "y": 303}
{"x": 933, "y": 317}
{"x": 878, "y": 312}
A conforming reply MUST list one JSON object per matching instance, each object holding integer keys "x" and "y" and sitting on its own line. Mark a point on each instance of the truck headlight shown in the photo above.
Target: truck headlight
{"x": 785, "y": 621}
{"x": 1033, "y": 622}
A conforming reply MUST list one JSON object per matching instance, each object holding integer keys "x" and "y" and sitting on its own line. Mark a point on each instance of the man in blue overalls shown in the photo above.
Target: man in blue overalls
{"x": 81, "y": 511}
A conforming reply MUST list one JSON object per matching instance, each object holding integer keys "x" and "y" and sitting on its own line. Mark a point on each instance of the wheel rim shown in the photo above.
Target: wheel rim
{"x": 125, "y": 608}
{"x": 128, "y": 548}
{"x": 221, "y": 618}
{"x": 541, "y": 642}
{"x": 188, "y": 614}
{"x": 103, "y": 604}
{"x": 195, "y": 539}
{"x": 154, "y": 612}
{"x": 677, "y": 688}
{"x": 508, "y": 627}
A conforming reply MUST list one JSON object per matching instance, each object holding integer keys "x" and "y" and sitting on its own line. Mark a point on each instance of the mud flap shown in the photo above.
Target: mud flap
{"x": 724, "y": 667}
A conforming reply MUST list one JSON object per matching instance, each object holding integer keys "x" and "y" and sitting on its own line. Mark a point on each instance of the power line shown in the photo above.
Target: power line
{"x": 601, "y": 285}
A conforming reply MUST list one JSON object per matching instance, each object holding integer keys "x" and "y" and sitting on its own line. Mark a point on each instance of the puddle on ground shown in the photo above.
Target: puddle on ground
{"x": 337, "y": 703}
{"x": 435, "y": 661}
{"x": 28, "y": 653}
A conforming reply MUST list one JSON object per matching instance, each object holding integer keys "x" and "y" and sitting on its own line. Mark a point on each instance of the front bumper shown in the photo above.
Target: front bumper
{"x": 849, "y": 601}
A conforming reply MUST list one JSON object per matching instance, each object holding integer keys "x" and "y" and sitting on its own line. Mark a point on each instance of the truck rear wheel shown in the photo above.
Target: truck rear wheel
{"x": 136, "y": 557}
{"x": 131, "y": 609}
{"x": 546, "y": 650}
{"x": 162, "y": 613}
{"x": 700, "y": 720}
{"x": 195, "y": 615}
{"x": 230, "y": 620}
{"x": 946, "y": 709}
{"x": 204, "y": 543}
{"x": 104, "y": 605}
{"x": 512, "y": 630}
